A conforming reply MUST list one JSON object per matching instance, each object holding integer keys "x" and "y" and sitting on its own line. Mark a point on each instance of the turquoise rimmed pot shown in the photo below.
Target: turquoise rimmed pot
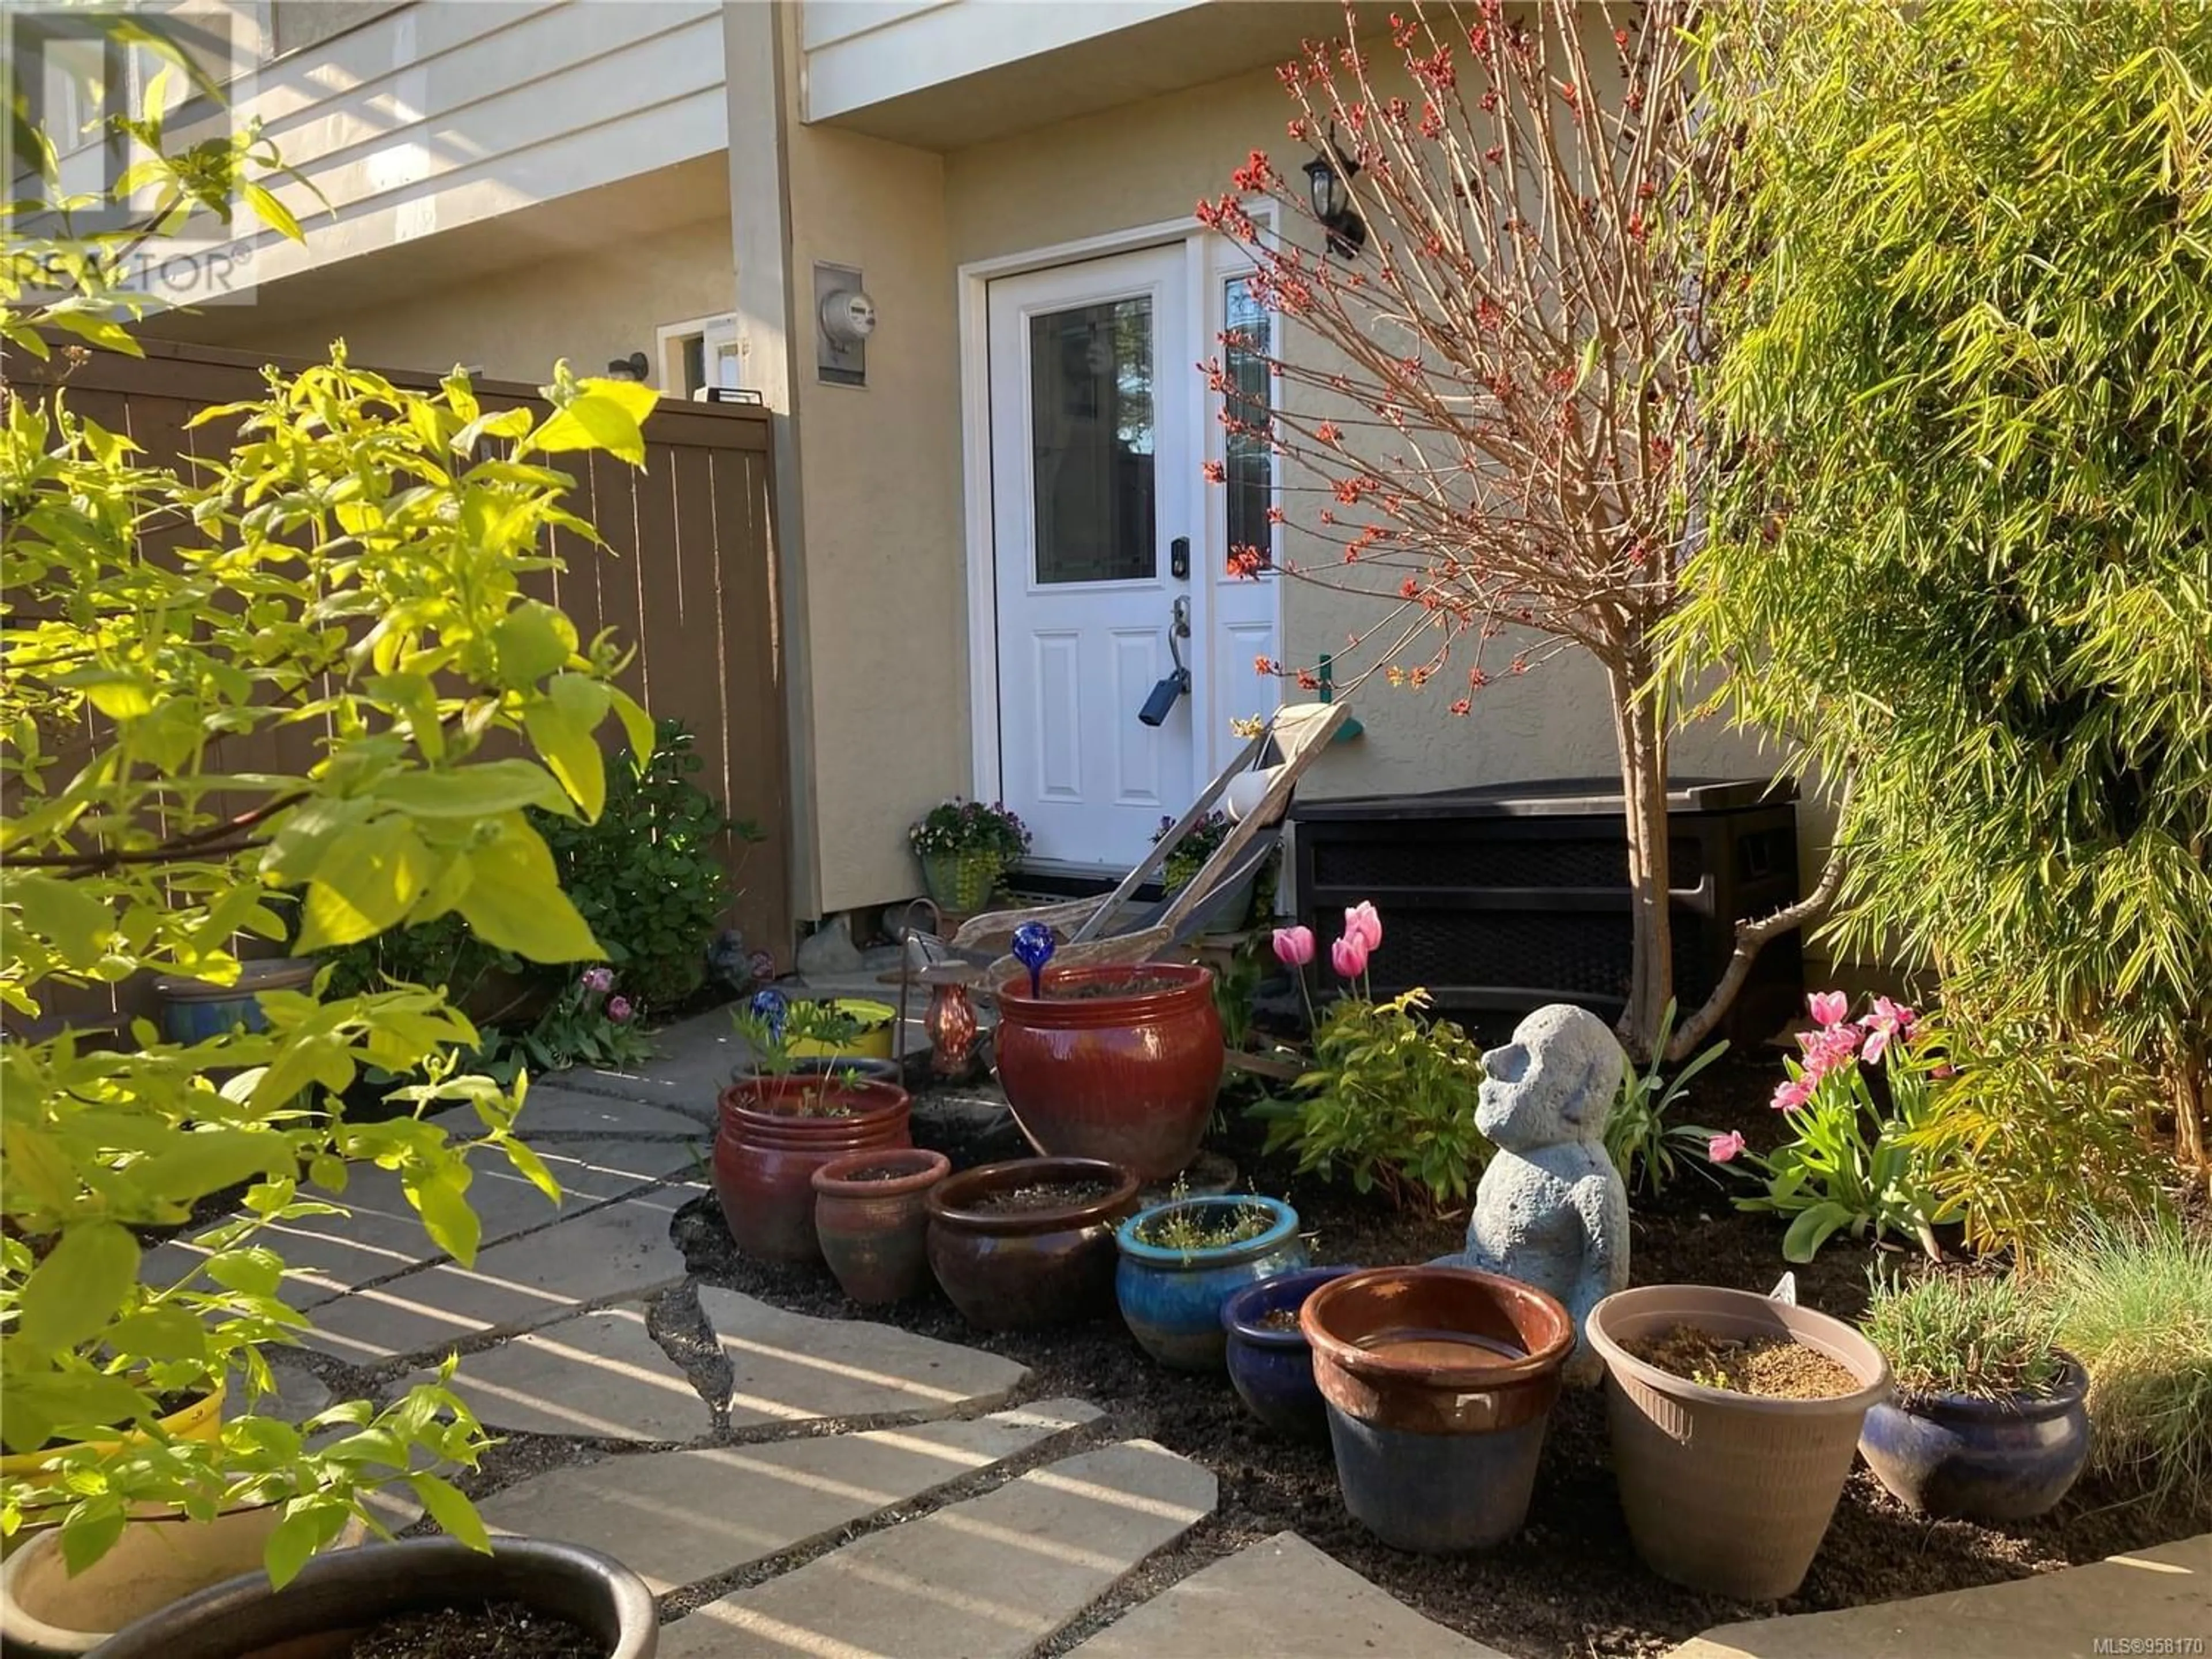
{"x": 1172, "y": 1289}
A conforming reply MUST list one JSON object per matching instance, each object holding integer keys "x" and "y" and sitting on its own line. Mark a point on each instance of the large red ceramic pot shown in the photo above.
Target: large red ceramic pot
{"x": 1119, "y": 1064}
{"x": 776, "y": 1133}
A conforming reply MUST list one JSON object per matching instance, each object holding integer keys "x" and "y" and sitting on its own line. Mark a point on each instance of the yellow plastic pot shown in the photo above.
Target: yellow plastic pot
{"x": 872, "y": 1044}
{"x": 202, "y": 1420}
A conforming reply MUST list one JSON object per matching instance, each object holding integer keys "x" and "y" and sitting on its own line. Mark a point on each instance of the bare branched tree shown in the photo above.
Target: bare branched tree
{"x": 1497, "y": 437}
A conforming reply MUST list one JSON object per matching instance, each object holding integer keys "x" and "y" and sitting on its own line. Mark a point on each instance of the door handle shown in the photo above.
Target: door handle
{"x": 1163, "y": 700}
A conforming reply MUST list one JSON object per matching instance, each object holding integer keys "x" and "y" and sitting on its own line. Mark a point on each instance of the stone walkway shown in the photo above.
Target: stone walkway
{"x": 787, "y": 1485}
{"x": 838, "y": 1489}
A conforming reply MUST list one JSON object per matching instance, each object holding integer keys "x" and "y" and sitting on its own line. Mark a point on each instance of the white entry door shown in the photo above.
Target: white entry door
{"x": 1095, "y": 470}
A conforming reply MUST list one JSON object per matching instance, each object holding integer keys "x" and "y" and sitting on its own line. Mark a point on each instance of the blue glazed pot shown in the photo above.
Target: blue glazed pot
{"x": 1273, "y": 1369}
{"x": 193, "y": 1011}
{"x": 1172, "y": 1299}
{"x": 1956, "y": 1458}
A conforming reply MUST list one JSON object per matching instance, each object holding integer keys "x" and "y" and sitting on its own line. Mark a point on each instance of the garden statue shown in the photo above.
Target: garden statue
{"x": 1552, "y": 1211}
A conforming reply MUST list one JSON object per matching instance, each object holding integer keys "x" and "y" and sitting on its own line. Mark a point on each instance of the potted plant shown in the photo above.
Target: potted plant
{"x": 1029, "y": 1242}
{"x": 1989, "y": 1422}
{"x": 1118, "y": 1063}
{"x": 1439, "y": 1383}
{"x": 844, "y": 1028}
{"x": 1199, "y": 843}
{"x": 159, "y": 812}
{"x": 871, "y": 1212}
{"x": 1734, "y": 1418}
{"x": 965, "y": 846}
{"x": 780, "y": 1123}
{"x": 1180, "y": 1261}
{"x": 517, "y": 1596}
{"x": 1270, "y": 1361}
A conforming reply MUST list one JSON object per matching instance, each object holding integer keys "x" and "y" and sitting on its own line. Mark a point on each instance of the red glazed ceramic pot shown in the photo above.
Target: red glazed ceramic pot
{"x": 869, "y": 1211}
{"x": 1126, "y": 1076}
{"x": 774, "y": 1138}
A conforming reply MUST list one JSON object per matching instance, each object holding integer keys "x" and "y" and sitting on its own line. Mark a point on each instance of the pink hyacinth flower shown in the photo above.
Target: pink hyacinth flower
{"x": 1348, "y": 956}
{"x": 1792, "y": 1094}
{"x": 1294, "y": 946}
{"x": 1722, "y": 1148}
{"x": 1361, "y": 922}
{"x": 1829, "y": 1007}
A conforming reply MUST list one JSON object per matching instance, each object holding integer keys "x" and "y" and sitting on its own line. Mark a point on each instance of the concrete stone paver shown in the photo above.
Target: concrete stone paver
{"x": 553, "y": 1110}
{"x": 599, "y": 1374}
{"x": 1284, "y": 1598}
{"x": 788, "y": 1368}
{"x": 678, "y": 1517}
{"x": 691, "y": 1067}
{"x": 987, "y": 1578}
{"x": 2139, "y": 1603}
{"x": 620, "y": 1250}
{"x": 300, "y": 1394}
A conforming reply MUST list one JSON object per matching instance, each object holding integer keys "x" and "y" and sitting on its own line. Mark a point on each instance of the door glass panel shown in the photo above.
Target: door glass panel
{"x": 1090, "y": 413}
{"x": 1250, "y": 465}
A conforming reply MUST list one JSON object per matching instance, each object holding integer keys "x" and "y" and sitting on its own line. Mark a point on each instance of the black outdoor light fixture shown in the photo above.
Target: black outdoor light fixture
{"x": 1328, "y": 182}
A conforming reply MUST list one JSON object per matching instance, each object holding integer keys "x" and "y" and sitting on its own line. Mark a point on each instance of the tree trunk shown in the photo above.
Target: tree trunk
{"x": 1641, "y": 735}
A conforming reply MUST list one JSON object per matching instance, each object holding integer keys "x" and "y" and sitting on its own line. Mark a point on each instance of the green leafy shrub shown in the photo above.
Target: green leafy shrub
{"x": 352, "y": 568}
{"x": 1948, "y": 1333}
{"x": 1965, "y": 557}
{"x": 1644, "y": 1146}
{"x": 444, "y": 952}
{"x": 645, "y": 874}
{"x": 1389, "y": 1099}
{"x": 2136, "y": 1309}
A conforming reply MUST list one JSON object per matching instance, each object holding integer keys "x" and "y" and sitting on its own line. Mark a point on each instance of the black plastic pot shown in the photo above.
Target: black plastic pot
{"x": 335, "y": 1597}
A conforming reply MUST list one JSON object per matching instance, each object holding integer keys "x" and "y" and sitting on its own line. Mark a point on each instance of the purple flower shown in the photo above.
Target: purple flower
{"x": 618, "y": 1010}
{"x": 598, "y": 980}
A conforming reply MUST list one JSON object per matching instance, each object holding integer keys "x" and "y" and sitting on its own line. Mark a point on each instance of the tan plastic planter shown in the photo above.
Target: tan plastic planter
{"x": 1726, "y": 1493}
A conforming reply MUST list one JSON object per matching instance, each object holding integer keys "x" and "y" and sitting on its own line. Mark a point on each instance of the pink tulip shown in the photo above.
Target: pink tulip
{"x": 1829, "y": 1007}
{"x": 598, "y": 980}
{"x": 1348, "y": 956}
{"x": 1294, "y": 946}
{"x": 1722, "y": 1148}
{"x": 1361, "y": 923}
{"x": 1792, "y": 1094}
{"x": 1828, "y": 1050}
{"x": 618, "y": 1010}
{"x": 1886, "y": 1023}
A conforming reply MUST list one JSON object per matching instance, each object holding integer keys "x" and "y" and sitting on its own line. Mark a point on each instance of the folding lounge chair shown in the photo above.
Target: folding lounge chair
{"x": 1094, "y": 931}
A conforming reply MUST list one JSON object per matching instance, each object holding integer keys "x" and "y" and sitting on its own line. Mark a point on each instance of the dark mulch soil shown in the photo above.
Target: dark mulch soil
{"x": 1040, "y": 1196}
{"x": 1569, "y": 1585}
{"x": 1776, "y": 1367}
{"x": 500, "y": 1630}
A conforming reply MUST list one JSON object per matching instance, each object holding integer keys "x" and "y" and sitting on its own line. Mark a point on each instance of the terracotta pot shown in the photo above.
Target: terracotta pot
{"x": 319, "y": 1613}
{"x": 1960, "y": 1456}
{"x": 46, "y": 1612}
{"x": 1006, "y": 1269}
{"x": 767, "y": 1152}
{"x": 1729, "y": 1492}
{"x": 1127, "y": 1078}
{"x": 869, "y": 1212}
{"x": 1439, "y": 1381}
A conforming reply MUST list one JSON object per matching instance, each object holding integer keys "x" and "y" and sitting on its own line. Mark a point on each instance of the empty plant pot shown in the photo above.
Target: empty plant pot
{"x": 1270, "y": 1363}
{"x": 1030, "y": 1242}
{"x": 1171, "y": 1291}
{"x": 776, "y": 1133}
{"x": 871, "y": 1213}
{"x": 1121, "y": 1064}
{"x": 1960, "y": 1456}
{"x": 1439, "y": 1381}
{"x": 1726, "y": 1492}
{"x": 335, "y": 1597}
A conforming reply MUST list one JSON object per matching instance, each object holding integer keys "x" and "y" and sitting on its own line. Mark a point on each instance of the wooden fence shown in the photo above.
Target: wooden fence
{"x": 687, "y": 579}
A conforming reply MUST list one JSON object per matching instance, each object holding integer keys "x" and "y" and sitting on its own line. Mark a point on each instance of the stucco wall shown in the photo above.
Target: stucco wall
{"x": 1149, "y": 163}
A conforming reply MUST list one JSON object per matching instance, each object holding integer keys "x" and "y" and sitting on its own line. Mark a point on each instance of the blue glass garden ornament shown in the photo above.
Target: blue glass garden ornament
{"x": 771, "y": 1007}
{"x": 1033, "y": 948}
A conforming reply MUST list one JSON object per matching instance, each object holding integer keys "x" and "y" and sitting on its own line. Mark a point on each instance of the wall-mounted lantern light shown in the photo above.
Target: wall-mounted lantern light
{"x": 632, "y": 368}
{"x": 1328, "y": 181}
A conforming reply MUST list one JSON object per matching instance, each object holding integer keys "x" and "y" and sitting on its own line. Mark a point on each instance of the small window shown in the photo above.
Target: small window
{"x": 1249, "y": 463}
{"x": 699, "y": 353}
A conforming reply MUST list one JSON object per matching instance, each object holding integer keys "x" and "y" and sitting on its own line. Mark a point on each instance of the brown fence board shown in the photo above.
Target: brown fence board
{"x": 687, "y": 583}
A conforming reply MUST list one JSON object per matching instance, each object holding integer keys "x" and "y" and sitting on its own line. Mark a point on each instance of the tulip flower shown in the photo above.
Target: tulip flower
{"x": 1348, "y": 956}
{"x": 1721, "y": 1149}
{"x": 1294, "y": 946}
{"x": 1792, "y": 1094}
{"x": 1361, "y": 923}
{"x": 598, "y": 980}
{"x": 1829, "y": 1007}
{"x": 618, "y": 1010}
{"x": 1886, "y": 1023}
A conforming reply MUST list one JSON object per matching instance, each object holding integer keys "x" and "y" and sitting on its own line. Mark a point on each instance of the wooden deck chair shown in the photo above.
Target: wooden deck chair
{"x": 1093, "y": 931}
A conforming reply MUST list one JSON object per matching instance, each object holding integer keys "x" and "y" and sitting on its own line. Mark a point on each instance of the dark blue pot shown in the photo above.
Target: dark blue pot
{"x": 1956, "y": 1458}
{"x": 1172, "y": 1299}
{"x": 1273, "y": 1369}
{"x": 193, "y": 1011}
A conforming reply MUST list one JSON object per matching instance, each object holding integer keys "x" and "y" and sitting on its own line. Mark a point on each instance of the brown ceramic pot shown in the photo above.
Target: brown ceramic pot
{"x": 871, "y": 1214}
{"x": 1729, "y": 1492}
{"x": 1009, "y": 1268}
{"x": 1439, "y": 1383}
{"x": 769, "y": 1148}
{"x": 1129, "y": 1079}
